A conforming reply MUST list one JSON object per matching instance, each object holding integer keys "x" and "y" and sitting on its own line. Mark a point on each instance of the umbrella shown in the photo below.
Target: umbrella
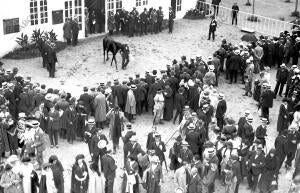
{"x": 249, "y": 38}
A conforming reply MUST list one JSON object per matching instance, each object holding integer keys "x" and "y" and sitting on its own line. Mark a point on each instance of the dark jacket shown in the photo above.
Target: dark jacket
{"x": 195, "y": 184}
{"x": 282, "y": 75}
{"x": 87, "y": 101}
{"x": 109, "y": 166}
{"x": 194, "y": 140}
{"x": 179, "y": 102}
{"x": 159, "y": 151}
{"x": 235, "y": 62}
{"x": 283, "y": 119}
{"x": 221, "y": 109}
{"x": 259, "y": 161}
{"x": 267, "y": 99}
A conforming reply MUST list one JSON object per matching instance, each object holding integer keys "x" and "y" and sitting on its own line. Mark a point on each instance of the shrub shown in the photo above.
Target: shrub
{"x": 23, "y": 41}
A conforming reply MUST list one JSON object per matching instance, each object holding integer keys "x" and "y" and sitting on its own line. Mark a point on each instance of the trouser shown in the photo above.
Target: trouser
{"x": 117, "y": 27}
{"x": 70, "y": 134}
{"x": 248, "y": 87}
{"x": 39, "y": 158}
{"x": 143, "y": 28}
{"x": 68, "y": 41}
{"x": 236, "y": 190}
{"x": 63, "y": 133}
{"x": 111, "y": 32}
{"x": 233, "y": 74}
{"x": 287, "y": 89}
{"x": 53, "y": 136}
{"x": 211, "y": 32}
{"x": 234, "y": 19}
{"x": 216, "y": 9}
{"x": 252, "y": 180}
{"x": 220, "y": 123}
{"x": 99, "y": 124}
{"x": 159, "y": 26}
{"x": 211, "y": 188}
{"x": 281, "y": 158}
{"x": 171, "y": 23}
{"x": 75, "y": 38}
{"x": 145, "y": 104}
{"x": 242, "y": 72}
{"x": 180, "y": 113}
{"x": 265, "y": 112}
{"x": 92, "y": 28}
{"x": 139, "y": 107}
{"x": 281, "y": 85}
{"x": 52, "y": 70}
{"x": 109, "y": 185}
{"x": 290, "y": 156}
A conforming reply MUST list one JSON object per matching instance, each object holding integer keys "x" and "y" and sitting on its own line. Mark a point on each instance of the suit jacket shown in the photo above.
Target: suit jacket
{"x": 258, "y": 160}
{"x": 195, "y": 184}
{"x": 282, "y": 75}
{"x": 150, "y": 139}
{"x": 118, "y": 93}
{"x": 179, "y": 102}
{"x": 50, "y": 56}
{"x": 109, "y": 166}
{"x": 283, "y": 119}
{"x": 135, "y": 150}
{"x": 87, "y": 101}
{"x": 194, "y": 140}
{"x": 267, "y": 99}
{"x": 159, "y": 151}
{"x": 221, "y": 109}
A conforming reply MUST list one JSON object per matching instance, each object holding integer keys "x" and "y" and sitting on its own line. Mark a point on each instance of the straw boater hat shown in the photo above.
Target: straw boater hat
{"x": 264, "y": 120}
{"x": 91, "y": 121}
{"x": 184, "y": 143}
{"x": 250, "y": 118}
{"x": 12, "y": 158}
{"x": 191, "y": 126}
{"x": 102, "y": 144}
{"x": 22, "y": 115}
{"x": 134, "y": 138}
{"x": 221, "y": 96}
{"x": 247, "y": 112}
{"x": 35, "y": 123}
{"x": 155, "y": 159}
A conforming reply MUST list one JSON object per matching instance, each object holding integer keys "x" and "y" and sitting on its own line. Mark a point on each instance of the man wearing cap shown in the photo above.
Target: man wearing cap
{"x": 261, "y": 131}
{"x": 221, "y": 111}
{"x": 179, "y": 102}
{"x": 281, "y": 79}
{"x": 100, "y": 106}
{"x": 255, "y": 162}
{"x": 160, "y": 17}
{"x": 283, "y": 116}
{"x": 87, "y": 100}
{"x": 126, "y": 136}
{"x": 50, "y": 59}
{"x": 39, "y": 142}
{"x": 247, "y": 132}
{"x": 266, "y": 102}
{"x": 289, "y": 80}
{"x": 234, "y": 64}
{"x": 153, "y": 176}
{"x": 136, "y": 148}
{"x": 159, "y": 147}
{"x": 151, "y": 137}
{"x": 71, "y": 120}
{"x": 130, "y": 106}
{"x": 185, "y": 155}
{"x": 212, "y": 28}
{"x": 96, "y": 150}
{"x": 12, "y": 105}
{"x": 109, "y": 166}
{"x": 194, "y": 140}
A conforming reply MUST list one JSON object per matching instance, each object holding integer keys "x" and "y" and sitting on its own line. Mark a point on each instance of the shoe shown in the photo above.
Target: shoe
{"x": 245, "y": 95}
{"x": 230, "y": 82}
{"x": 56, "y": 146}
{"x": 51, "y": 146}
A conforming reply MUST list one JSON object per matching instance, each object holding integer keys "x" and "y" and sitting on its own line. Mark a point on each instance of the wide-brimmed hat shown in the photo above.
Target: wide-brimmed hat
{"x": 12, "y": 158}
{"x": 22, "y": 115}
{"x": 91, "y": 121}
{"x": 133, "y": 138}
{"x": 102, "y": 144}
{"x": 155, "y": 159}
{"x": 185, "y": 143}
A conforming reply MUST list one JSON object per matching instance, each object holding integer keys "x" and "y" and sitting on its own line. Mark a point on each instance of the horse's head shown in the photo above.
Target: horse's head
{"x": 126, "y": 49}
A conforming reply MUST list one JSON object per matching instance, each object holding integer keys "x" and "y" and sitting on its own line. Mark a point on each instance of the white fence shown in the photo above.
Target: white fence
{"x": 265, "y": 25}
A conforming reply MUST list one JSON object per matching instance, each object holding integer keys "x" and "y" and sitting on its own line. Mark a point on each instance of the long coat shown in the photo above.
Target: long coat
{"x": 195, "y": 184}
{"x": 168, "y": 110}
{"x": 67, "y": 30}
{"x": 283, "y": 119}
{"x": 96, "y": 183}
{"x": 100, "y": 108}
{"x": 180, "y": 179}
{"x": 130, "y": 103}
{"x": 268, "y": 174}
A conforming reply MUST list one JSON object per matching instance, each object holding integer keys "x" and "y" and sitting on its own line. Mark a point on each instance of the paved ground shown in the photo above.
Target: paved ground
{"x": 83, "y": 65}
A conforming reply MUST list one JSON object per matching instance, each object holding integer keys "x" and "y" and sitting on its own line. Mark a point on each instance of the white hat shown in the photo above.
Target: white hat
{"x": 155, "y": 159}
{"x": 22, "y": 115}
{"x": 211, "y": 67}
{"x": 283, "y": 65}
{"x": 134, "y": 138}
{"x": 12, "y": 158}
{"x": 102, "y": 144}
{"x": 236, "y": 51}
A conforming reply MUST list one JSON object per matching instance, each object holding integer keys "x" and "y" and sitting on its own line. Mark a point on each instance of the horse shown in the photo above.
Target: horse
{"x": 109, "y": 45}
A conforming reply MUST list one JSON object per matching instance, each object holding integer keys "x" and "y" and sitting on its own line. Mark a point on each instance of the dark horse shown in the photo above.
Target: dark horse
{"x": 109, "y": 45}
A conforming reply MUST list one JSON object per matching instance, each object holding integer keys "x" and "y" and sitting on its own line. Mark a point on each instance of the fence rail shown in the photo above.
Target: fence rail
{"x": 264, "y": 25}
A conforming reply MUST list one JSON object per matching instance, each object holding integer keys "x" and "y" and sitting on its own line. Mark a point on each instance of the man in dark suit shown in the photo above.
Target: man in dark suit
{"x": 75, "y": 31}
{"x": 261, "y": 131}
{"x": 195, "y": 183}
{"x": 234, "y": 64}
{"x": 150, "y": 138}
{"x": 171, "y": 19}
{"x": 159, "y": 147}
{"x": 212, "y": 28}
{"x": 236, "y": 171}
{"x": 144, "y": 21}
{"x": 266, "y": 102}
{"x": 109, "y": 169}
{"x": 136, "y": 148}
{"x": 96, "y": 150}
{"x": 293, "y": 138}
{"x": 281, "y": 79}
{"x": 126, "y": 135}
{"x": 179, "y": 105}
{"x": 51, "y": 59}
{"x": 242, "y": 122}
{"x": 140, "y": 94}
{"x": 87, "y": 100}
{"x": 255, "y": 162}
{"x": 280, "y": 144}
{"x": 220, "y": 111}
{"x": 283, "y": 116}
{"x": 118, "y": 93}
{"x": 194, "y": 140}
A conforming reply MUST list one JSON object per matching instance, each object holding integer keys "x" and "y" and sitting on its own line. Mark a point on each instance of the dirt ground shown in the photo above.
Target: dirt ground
{"x": 83, "y": 66}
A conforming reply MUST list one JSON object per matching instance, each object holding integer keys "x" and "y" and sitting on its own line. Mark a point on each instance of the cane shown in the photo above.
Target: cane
{"x": 171, "y": 136}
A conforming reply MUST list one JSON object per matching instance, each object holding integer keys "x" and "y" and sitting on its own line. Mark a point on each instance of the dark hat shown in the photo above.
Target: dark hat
{"x": 257, "y": 141}
{"x": 55, "y": 91}
{"x": 85, "y": 89}
{"x": 230, "y": 121}
{"x": 129, "y": 126}
{"x": 26, "y": 159}
{"x": 264, "y": 120}
{"x": 79, "y": 156}
{"x": 43, "y": 86}
{"x": 93, "y": 89}
{"x": 116, "y": 81}
{"x": 179, "y": 138}
{"x": 154, "y": 72}
{"x": 181, "y": 90}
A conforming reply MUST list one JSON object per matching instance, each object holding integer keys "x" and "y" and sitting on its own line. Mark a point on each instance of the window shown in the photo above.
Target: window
{"x": 178, "y": 5}
{"x": 43, "y": 11}
{"x": 145, "y": 2}
{"x": 33, "y": 12}
{"x": 11, "y": 26}
{"x": 110, "y": 6}
{"x": 118, "y": 5}
{"x": 68, "y": 9}
{"x": 78, "y": 12}
{"x": 138, "y": 3}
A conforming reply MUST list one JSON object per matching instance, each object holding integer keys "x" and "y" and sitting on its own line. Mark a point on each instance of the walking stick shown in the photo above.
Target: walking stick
{"x": 171, "y": 136}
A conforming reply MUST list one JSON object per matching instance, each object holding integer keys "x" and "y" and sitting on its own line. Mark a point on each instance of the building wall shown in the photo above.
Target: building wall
{"x": 21, "y": 9}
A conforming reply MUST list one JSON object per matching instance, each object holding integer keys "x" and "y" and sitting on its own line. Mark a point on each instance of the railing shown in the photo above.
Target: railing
{"x": 264, "y": 25}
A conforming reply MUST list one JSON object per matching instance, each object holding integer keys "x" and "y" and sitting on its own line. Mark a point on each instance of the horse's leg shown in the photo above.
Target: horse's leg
{"x": 107, "y": 58}
{"x": 114, "y": 58}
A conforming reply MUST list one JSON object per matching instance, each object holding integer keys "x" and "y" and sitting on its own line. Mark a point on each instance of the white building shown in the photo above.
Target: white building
{"x": 23, "y": 16}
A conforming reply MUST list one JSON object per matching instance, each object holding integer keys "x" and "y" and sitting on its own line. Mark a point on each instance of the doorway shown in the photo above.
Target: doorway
{"x": 173, "y": 5}
{"x": 96, "y": 10}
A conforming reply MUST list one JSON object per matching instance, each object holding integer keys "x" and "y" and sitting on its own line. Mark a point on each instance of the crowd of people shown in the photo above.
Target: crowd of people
{"x": 209, "y": 144}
